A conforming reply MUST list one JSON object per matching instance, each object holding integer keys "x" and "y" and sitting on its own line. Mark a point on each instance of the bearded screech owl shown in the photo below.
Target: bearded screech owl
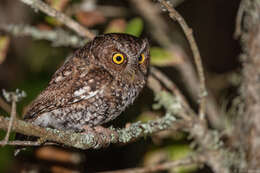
{"x": 95, "y": 85}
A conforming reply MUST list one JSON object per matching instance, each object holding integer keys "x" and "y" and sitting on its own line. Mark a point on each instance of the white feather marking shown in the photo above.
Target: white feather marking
{"x": 59, "y": 78}
{"x": 81, "y": 91}
{"x": 90, "y": 94}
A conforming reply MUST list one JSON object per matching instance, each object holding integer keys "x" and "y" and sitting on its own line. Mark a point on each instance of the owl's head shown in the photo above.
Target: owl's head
{"x": 124, "y": 56}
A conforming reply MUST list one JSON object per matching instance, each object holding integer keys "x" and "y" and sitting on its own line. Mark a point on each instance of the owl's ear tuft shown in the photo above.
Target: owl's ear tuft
{"x": 145, "y": 43}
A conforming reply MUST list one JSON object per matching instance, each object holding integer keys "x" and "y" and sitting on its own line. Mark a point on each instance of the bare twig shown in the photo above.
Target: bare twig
{"x": 20, "y": 143}
{"x": 12, "y": 117}
{"x": 40, "y": 5}
{"x": 151, "y": 14}
{"x": 161, "y": 166}
{"x": 169, "y": 84}
{"x": 188, "y": 32}
{"x": 58, "y": 37}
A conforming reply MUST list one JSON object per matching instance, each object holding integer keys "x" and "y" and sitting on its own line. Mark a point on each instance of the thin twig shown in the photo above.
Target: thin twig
{"x": 13, "y": 115}
{"x": 162, "y": 166}
{"x": 58, "y": 37}
{"x": 174, "y": 89}
{"x": 151, "y": 14}
{"x": 40, "y": 5}
{"x": 169, "y": 84}
{"x": 20, "y": 143}
{"x": 188, "y": 33}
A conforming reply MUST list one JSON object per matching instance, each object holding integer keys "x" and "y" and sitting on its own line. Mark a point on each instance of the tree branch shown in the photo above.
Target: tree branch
{"x": 58, "y": 37}
{"x": 247, "y": 131}
{"x": 13, "y": 116}
{"x": 91, "y": 139}
{"x": 196, "y": 54}
{"x": 40, "y": 5}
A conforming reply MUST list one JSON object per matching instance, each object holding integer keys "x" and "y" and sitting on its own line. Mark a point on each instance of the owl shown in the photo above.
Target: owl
{"x": 95, "y": 85}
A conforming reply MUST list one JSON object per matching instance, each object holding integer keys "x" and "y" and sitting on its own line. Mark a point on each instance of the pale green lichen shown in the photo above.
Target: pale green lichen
{"x": 28, "y": 2}
{"x": 138, "y": 129}
{"x": 168, "y": 101}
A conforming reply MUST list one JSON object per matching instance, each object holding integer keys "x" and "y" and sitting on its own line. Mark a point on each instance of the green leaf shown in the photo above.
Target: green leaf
{"x": 135, "y": 27}
{"x": 181, "y": 151}
{"x": 162, "y": 57}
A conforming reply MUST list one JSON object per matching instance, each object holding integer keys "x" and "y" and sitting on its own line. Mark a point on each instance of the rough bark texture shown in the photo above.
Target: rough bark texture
{"x": 249, "y": 122}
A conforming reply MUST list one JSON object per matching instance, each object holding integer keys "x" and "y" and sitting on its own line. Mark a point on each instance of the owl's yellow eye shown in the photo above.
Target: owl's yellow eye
{"x": 141, "y": 58}
{"x": 118, "y": 58}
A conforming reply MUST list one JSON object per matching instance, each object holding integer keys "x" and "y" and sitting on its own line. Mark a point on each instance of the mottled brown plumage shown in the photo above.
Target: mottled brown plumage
{"x": 92, "y": 88}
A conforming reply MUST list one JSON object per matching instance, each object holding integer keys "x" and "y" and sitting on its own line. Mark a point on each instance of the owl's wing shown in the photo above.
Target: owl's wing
{"x": 73, "y": 82}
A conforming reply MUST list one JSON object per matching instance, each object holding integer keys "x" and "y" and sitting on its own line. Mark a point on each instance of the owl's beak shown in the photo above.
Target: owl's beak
{"x": 132, "y": 72}
{"x": 132, "y": 76}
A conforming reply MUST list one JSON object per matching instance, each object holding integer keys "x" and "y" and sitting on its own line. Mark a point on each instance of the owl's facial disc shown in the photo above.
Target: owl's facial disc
{"x": 126, "y": 57}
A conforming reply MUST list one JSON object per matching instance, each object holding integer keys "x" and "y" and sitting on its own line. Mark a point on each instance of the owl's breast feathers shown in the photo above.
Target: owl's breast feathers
{"x": 81, "y": 94}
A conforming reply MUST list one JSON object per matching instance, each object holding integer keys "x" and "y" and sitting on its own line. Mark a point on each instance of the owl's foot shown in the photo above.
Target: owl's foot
{"x": 106, "y": 133}
{"x": 88, "y": 129}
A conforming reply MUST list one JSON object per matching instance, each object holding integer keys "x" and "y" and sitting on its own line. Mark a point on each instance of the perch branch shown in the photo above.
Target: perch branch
{"x": 59, "y": 37}
{"x": 73, "y": 25}
{"x": 188, "y": 32}
{"x": 89, "y": 139}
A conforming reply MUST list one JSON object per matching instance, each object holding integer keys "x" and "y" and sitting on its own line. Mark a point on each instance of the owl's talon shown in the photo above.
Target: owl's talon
{"x": 108, "y": 133}
{"x": 87, "y": 129}
{"x": 127, "y": 125}
{"x": 99, "y": 129}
